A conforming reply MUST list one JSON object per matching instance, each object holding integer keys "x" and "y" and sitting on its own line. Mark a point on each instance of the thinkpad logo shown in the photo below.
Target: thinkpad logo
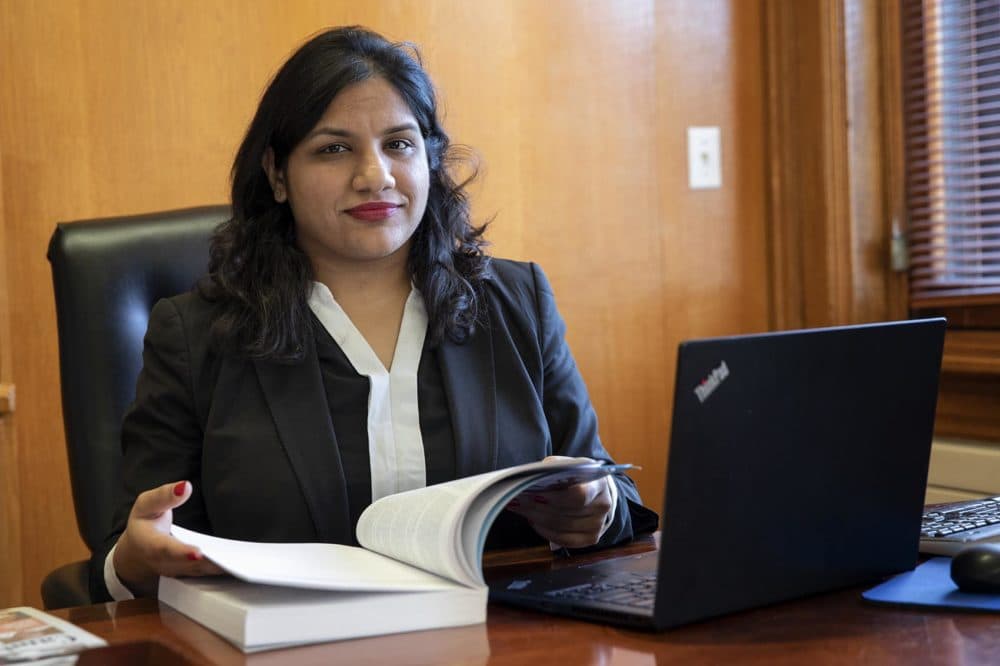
{"x": 710, "y": 383}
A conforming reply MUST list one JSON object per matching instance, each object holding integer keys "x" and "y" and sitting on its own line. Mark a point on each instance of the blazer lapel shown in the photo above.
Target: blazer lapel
{"x": 470, "y": 383}
{"x": 297, "y": 400}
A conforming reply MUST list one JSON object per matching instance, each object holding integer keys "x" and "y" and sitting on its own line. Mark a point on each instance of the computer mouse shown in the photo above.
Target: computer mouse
{"x": 977, "y": 568}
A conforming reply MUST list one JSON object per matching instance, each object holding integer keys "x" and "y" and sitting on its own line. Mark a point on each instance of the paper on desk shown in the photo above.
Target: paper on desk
{"x": 28, "y": 634}
{"x": 321, "y": 566}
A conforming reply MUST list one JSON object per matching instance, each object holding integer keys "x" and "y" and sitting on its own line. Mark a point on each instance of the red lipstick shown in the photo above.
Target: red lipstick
{"x": 373, "y": 211}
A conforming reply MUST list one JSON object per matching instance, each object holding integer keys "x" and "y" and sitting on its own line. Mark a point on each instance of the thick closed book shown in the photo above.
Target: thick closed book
{"x": 257, "y": 617}
{"x": 419, "y": 566}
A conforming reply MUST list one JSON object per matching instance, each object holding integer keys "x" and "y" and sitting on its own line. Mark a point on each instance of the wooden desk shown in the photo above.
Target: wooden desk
{"x": 836, "y": 628}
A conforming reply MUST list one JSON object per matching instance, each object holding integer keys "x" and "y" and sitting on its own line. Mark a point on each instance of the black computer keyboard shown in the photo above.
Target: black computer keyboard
{"x": 947, "y": 528}
{"x": 628, "y": 589}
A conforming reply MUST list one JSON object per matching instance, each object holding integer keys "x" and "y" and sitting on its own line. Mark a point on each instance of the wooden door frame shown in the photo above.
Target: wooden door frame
{"x": 834, "y": 161}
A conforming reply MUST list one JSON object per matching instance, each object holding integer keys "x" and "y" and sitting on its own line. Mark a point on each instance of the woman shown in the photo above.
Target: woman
{"x": 351, "y": 340}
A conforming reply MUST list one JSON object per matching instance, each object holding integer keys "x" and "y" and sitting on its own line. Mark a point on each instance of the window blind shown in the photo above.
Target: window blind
{"x": 951, "y": 75}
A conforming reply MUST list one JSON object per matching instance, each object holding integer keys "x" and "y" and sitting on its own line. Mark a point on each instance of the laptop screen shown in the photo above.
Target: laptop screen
{"x": 798, "y": 463}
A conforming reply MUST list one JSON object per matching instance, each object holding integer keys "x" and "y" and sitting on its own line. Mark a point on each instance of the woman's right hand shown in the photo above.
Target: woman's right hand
{"x": 146, "y": 550}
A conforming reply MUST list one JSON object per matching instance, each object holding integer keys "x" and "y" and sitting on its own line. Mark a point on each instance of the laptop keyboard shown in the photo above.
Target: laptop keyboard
{"x": 949, "y": 526}
{"x": 628, "y": 589}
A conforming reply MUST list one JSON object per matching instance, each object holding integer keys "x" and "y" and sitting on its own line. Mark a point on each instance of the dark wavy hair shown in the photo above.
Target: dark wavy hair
{"x": 258, "y": 277}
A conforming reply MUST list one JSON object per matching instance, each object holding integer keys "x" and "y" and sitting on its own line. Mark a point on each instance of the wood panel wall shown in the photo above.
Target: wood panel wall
{"x": 577, "y": 108}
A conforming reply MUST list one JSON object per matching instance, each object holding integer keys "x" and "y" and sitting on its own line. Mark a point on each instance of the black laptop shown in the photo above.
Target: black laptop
{"x": 798, "y": 464}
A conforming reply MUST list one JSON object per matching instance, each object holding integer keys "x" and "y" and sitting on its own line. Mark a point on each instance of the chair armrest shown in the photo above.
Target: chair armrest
{"x": 69, "y": 585}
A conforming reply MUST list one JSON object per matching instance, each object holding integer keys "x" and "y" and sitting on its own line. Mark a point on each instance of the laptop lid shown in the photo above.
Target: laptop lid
{"x": 798, "y": 464}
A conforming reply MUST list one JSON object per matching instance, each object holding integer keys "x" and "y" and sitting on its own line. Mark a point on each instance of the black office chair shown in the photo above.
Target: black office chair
{"x": 107, "y": 275}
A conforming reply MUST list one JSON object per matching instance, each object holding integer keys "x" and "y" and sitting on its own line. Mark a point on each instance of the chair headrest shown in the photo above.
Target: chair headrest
{"x": 107, "y": 275}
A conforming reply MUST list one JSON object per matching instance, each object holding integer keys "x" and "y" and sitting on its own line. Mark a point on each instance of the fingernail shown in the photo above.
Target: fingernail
{"x": 194, "y": 557}
{"x": 180, "y": 488}
{"x": 540, "y": 499}
{"x": 513, "y": 504}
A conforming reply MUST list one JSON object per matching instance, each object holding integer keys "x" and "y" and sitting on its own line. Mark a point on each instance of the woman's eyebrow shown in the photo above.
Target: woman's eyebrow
{"x": 412, "y": 127}
{"x": 331, "y": 131}
{"x": 335, "y": 131}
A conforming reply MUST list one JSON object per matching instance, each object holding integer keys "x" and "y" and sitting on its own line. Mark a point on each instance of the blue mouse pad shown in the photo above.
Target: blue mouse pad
{"x": 930, "y": 585}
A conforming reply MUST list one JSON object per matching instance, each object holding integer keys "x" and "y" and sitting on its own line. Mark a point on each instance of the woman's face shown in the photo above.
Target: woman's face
{"x": 357, "y": 183}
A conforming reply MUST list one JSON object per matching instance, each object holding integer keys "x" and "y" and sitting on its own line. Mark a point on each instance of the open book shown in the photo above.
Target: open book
{"x": 419, "y": 567}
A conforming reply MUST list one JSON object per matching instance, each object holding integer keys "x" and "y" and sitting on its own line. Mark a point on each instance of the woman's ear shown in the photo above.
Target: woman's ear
{"x": 275, "y": 176}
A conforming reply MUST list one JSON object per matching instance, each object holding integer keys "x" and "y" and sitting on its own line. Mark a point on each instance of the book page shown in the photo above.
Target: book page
{"x": 324, "y": 566}
{"x": 422, "y": 526}
{"x": 442, "y": 528}
{"x": 488, "y": 504}
{"x": 424, "y": 539}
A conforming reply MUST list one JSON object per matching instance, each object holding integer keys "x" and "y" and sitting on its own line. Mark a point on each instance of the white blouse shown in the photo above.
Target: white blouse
{"x": 395, "y": 444}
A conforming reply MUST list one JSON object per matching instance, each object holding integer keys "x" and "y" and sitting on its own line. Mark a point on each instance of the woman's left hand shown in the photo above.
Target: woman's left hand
{"x": 574, "y": 517}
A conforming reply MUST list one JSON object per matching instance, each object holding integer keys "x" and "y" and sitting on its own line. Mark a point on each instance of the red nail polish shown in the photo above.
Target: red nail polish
{"x": 513, "y": 504}
{"x": 179, "y": 488}
{"x": 194, "y": 557}
{"x": 540, "y": 499}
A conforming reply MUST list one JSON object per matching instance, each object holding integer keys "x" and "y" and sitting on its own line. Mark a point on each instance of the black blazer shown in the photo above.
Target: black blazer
{"x": 255, "y": 437}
